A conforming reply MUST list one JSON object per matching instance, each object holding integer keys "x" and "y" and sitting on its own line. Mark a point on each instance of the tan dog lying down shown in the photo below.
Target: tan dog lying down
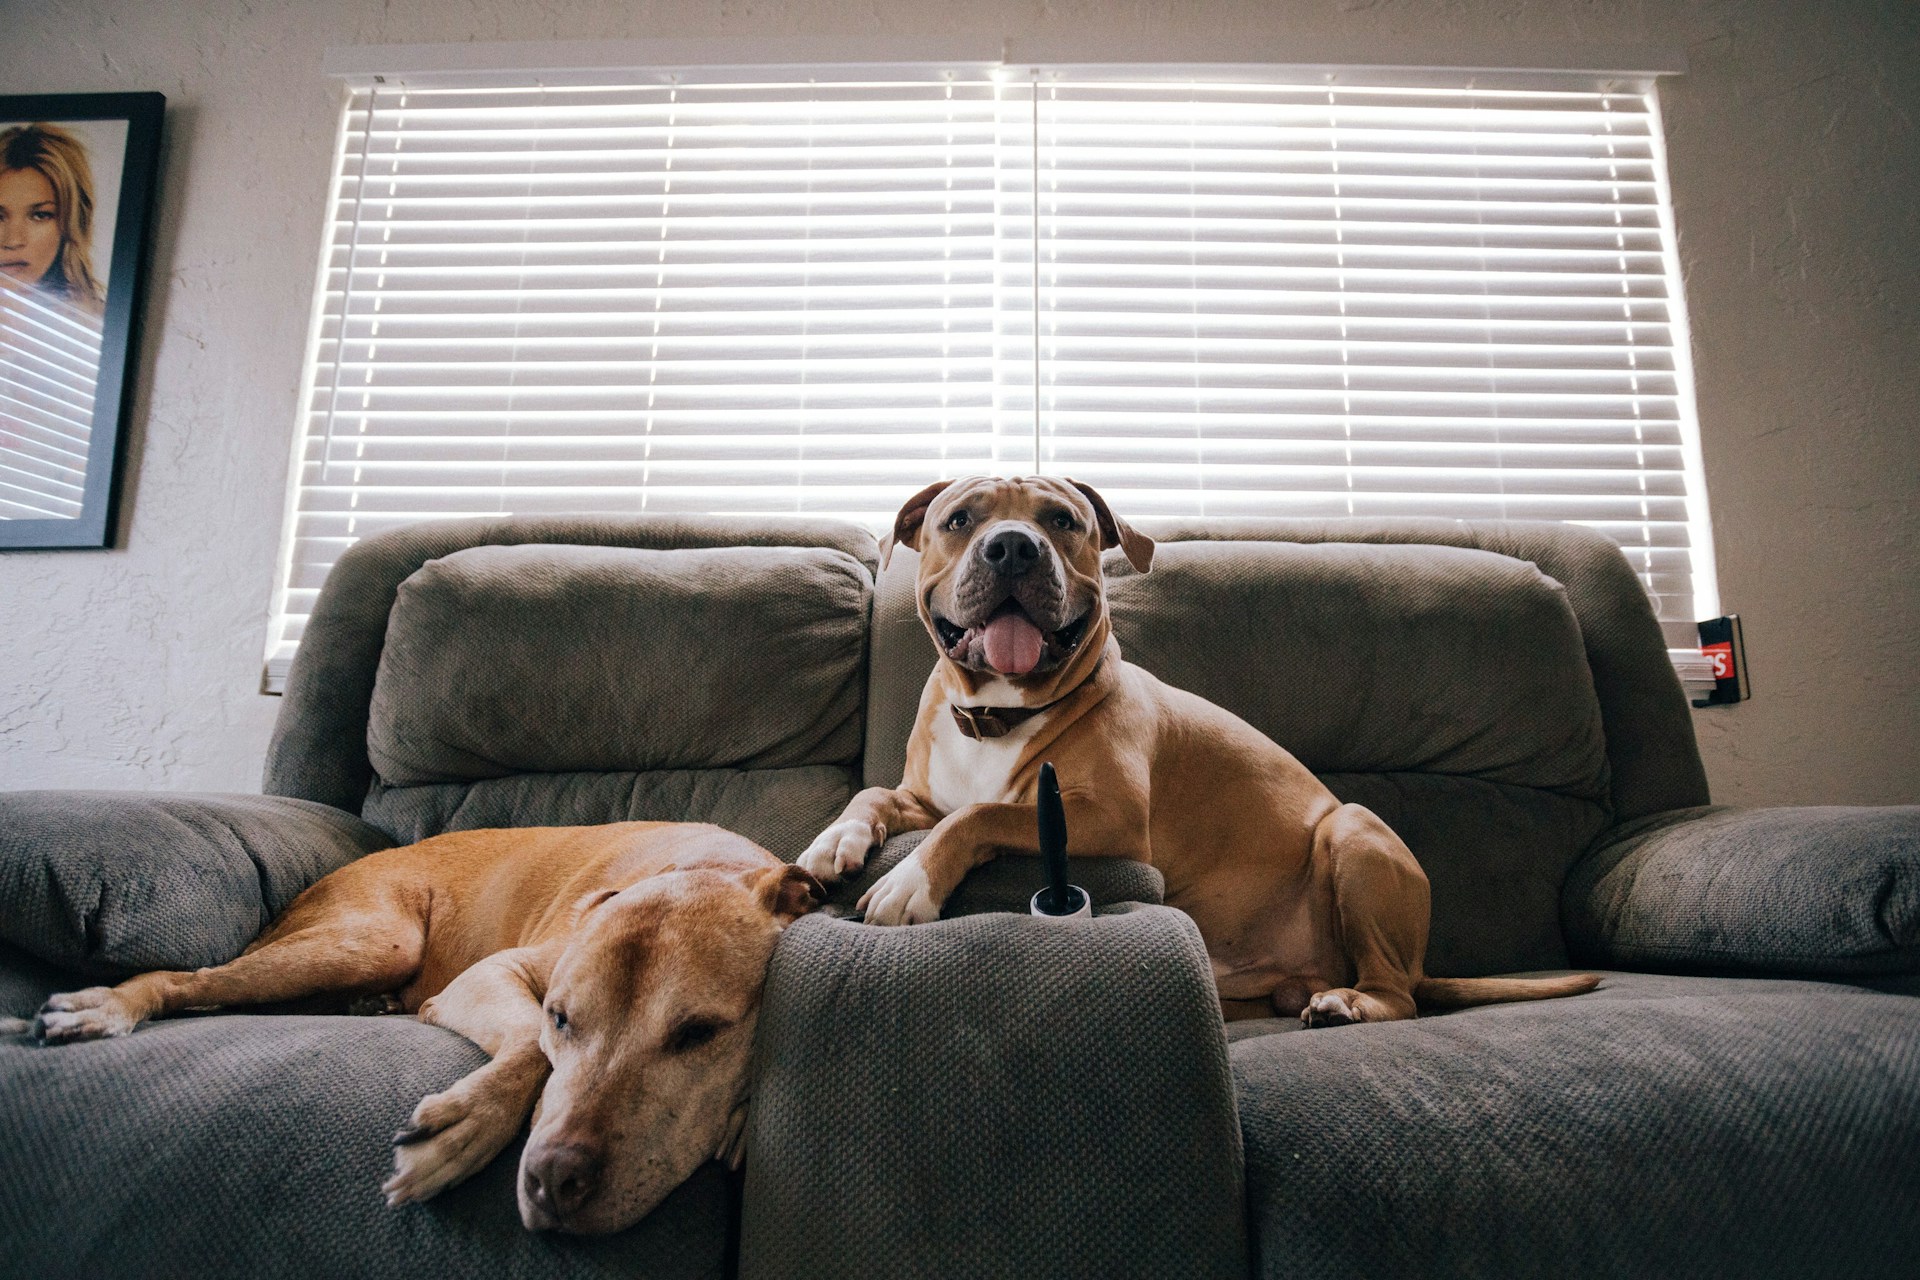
{"x": 1309, "y": 907}
{"x": 618, "y": 966}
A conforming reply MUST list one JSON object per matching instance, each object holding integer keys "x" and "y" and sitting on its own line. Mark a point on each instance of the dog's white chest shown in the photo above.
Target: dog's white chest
{"x": 963, "y": 771}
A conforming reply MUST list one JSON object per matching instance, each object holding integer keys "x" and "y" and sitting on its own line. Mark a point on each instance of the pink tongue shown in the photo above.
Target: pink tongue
{"x": 1013, "y": 644}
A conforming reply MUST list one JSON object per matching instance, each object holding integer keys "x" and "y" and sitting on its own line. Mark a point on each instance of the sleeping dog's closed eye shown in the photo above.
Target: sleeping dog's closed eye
{"x": 693, "y": 1033}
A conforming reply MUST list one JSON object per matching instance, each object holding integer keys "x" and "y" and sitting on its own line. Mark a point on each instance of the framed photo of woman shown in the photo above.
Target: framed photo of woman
{"x": 77, "y": 175}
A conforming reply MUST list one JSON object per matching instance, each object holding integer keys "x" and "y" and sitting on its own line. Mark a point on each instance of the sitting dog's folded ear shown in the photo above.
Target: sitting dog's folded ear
{"x": 1115, "y": 532}
{"x": 789, "y": 893}
{"x": 907, "y": 525}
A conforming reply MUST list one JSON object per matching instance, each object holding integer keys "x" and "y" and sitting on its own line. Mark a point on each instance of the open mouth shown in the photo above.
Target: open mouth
{"x": 1009, "y": 641}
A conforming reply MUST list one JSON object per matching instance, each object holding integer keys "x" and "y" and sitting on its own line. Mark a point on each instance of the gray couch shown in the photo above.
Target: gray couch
{"x": 994, "y": 1095}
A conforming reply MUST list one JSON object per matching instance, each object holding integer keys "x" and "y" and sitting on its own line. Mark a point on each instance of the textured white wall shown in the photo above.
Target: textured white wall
{"x": 1796, "y": 175}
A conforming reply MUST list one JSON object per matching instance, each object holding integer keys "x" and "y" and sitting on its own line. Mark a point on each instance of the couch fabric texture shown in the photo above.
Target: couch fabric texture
{"x": 1660, "y": 1126}
{"x": 1810, "y": 890}
{"x": 779, "y": 809}
{"x": 110, "y": 884}
{"x": 252, "y": 1145}
{"x": 1365, "y": 659}
{"x": 1654, "y": 763}
{"x": 549, "y": 685}
{"x": 505, "y": 660}
{"x": 319, "y": 747}
{"x": 956, "y": 1103}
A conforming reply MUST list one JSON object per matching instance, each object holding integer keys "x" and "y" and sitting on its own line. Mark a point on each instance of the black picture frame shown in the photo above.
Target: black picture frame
{"x": 48, "y": 332}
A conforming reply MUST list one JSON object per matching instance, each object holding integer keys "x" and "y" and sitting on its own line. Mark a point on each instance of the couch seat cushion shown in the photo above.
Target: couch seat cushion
{"x": 255, "y": 1145}
{"x": 1659, "y": 1126}
{"x": 511, "y": 659}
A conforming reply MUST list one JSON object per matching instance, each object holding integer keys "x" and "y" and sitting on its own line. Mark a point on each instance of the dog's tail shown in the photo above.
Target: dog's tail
{"x": 1462, "y": 993}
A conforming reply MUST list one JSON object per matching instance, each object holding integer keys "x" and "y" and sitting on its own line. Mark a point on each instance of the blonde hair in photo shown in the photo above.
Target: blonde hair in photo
{"x": 61, "y": 159}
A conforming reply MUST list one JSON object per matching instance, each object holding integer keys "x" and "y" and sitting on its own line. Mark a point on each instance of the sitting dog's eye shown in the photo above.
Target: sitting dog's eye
{"x": 958, "y": 521}
{"x": 559, "y": 1017}
{"x": 691, "y": 1034}
{"x": 1064, "y": 522}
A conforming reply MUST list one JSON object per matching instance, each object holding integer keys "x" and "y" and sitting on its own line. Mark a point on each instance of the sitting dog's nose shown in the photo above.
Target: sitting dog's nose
{"x": 561, "y": 1179}
{"x": 1009, "y": 551}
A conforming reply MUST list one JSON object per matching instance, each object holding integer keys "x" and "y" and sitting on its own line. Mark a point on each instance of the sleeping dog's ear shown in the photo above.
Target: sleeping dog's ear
{"x": 589, "y": 901}
{"x": 789, "y": 893}
{"x": 1115, "y": 532}
{"x": 906, "y": 525}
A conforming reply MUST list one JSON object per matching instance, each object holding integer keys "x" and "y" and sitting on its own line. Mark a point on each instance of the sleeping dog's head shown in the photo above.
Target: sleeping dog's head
{"x": 1009, "y": 580}
{"x": 650, "y": 1013}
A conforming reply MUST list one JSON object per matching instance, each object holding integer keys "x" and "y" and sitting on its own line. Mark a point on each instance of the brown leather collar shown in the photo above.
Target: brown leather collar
{"x": 991, "y": 722}
{"x": 982, "y": 722}
{"x": 998, "y": 722}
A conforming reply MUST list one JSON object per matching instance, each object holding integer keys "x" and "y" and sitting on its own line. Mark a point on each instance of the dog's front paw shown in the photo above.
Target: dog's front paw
{"x": 902, "y": 896}
{"x": 92, "y": 1014}
{"x": 840, "y": 850}
{"x": 449, "y": 1137}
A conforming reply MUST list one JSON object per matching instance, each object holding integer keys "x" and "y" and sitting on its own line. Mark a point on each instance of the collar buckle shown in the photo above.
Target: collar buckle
{"x": 980, "y": 722}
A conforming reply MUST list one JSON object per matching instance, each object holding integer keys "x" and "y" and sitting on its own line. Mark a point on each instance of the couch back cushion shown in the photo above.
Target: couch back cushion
{"x": 1373, "y": 659}
{"x": 551, "y": 684}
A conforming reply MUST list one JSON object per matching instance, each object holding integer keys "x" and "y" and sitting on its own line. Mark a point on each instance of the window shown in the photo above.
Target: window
{"x": 814, "y": 293}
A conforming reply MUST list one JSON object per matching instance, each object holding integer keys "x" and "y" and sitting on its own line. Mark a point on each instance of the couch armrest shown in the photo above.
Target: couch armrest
{"x": 118, "y": 882}
{"x": 993, "y": 1096}
{"x": 1811, "y": 891}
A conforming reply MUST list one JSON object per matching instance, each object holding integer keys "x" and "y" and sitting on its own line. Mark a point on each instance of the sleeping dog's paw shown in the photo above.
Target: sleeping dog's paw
{"x": 449, "y": 1137}
{"x": 92, "y": 1014}
{"x": 902, "y": 896}
{"x": 840, "y": 850}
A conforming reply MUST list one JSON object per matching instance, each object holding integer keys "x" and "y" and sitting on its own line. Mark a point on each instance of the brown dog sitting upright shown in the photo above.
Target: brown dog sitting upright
{"x": 620, "y": 967}
{"x": 1307, "y": 906}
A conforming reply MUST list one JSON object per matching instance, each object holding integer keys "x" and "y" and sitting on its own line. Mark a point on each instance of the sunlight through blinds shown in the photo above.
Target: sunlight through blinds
{"x": 707, "y": 298}
{"x": 814, "y": 297}
{"x": 1307, "y": 301}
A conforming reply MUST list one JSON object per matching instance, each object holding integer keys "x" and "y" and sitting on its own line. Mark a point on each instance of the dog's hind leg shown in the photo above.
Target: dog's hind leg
{"x": 1382, "y": 905}
{"x": 324, "y": 942}
{"x": 454, "y": 1134}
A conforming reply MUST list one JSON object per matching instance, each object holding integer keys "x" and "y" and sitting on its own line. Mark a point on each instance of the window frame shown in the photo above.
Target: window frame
{"x": 1621, "y": 70}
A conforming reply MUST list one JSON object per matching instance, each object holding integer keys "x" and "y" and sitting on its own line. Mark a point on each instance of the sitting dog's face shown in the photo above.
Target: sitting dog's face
{"x": 1009, "y": 578}
{"x": 650, "y": 1014}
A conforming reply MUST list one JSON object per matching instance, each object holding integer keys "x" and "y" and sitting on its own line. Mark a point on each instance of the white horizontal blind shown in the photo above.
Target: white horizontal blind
{"x": 814, "y": 297}
{"x": 1269, "y": 299}
{"x": 694, "y": 298}
{"x": 49, "y": 363}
